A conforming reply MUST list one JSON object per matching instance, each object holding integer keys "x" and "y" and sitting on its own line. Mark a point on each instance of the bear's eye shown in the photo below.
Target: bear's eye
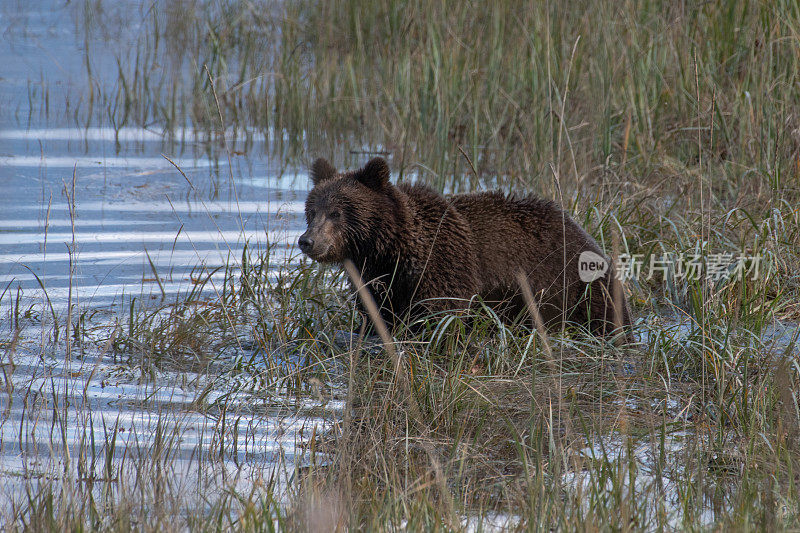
{"x": 335, "y": 214}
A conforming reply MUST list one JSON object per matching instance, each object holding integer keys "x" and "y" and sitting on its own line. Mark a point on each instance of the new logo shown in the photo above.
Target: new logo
{"x": 591, "y": 266}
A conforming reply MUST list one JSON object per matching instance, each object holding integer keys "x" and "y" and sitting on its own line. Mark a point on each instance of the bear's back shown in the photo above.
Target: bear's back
{"x": 517, "y": 234}
{"x": 537, "y": 238}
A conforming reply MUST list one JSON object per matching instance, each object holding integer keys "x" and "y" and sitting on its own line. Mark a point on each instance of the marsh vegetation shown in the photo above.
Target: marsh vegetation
{"x": 667, "y": 129}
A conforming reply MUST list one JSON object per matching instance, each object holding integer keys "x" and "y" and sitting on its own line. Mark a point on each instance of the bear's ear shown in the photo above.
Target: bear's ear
{"x": 321, "y": 170}
{"x": 375, "y": 173}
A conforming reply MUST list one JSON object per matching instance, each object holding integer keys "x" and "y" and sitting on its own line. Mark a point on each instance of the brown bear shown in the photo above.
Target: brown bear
{"x": 419, "y": 252}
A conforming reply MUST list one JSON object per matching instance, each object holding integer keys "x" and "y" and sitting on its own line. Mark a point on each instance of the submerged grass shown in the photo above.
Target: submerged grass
{"x": 697, "y": 427}
{"x": 673, "y": 125}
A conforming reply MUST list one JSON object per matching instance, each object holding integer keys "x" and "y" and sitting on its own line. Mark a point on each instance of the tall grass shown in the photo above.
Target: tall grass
{"x": 669, "y": 121}
{"x": 603, "y": 91}
{"x": 671, "y": 124}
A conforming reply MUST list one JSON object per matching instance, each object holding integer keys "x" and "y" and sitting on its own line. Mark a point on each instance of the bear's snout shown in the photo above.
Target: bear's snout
{"x": 305, "y": 243}
{"x": 319, "y": 243}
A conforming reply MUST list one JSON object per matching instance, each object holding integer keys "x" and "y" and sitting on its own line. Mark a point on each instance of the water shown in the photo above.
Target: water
{"x": 136, "y": 217}
{"x": 102, "y": 216}
{"x": 60, "y": 413}
{"x": 130, "y": 205}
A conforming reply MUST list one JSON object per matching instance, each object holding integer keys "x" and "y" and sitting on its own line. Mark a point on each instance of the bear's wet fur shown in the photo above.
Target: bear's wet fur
{"x": 420, "y": 252}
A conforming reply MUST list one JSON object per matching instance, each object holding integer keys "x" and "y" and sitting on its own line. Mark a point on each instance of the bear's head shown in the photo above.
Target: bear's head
{"x": 345, "y": 211}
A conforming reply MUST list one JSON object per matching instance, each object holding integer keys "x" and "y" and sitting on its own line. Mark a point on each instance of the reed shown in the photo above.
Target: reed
{"x": 663, "y": 127}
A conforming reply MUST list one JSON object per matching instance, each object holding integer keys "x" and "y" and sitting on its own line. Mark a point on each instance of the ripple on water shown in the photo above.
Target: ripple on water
{"x": 134, "y": 213}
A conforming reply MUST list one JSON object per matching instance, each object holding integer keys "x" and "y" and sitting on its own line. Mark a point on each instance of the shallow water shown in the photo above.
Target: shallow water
{"x": 93, "y": 420}
{"x": 95, "y": 215}
{"x": 129, "y": 199}
{"x": 127, "y": 206}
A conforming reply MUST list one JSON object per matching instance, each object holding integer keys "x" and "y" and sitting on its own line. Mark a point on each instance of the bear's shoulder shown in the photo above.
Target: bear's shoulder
{"x": 425, "y": 200}
{"x": 498, "y": 202}
{"x": 418, "y": 190}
